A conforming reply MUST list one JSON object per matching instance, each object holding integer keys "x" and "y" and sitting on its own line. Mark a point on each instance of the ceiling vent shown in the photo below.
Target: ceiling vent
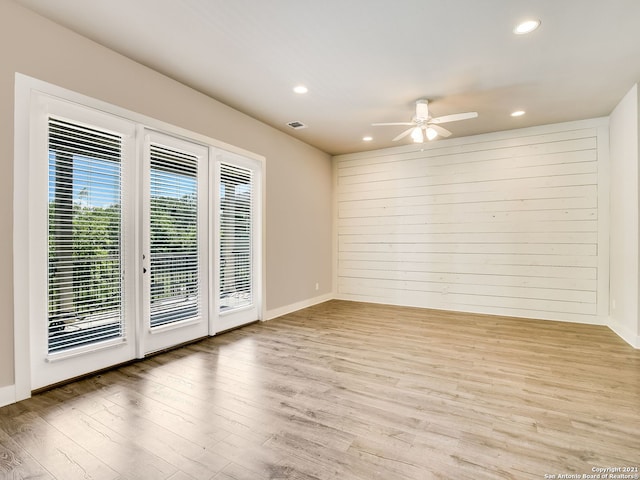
{"x": 297, "y": 125}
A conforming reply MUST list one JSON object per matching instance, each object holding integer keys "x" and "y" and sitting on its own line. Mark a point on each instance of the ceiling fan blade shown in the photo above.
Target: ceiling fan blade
{"x": 392, "y": 123}
{"x": 454, "y": 118}
{"x": 443, "y": 132}
{"x": 404, "y": 134}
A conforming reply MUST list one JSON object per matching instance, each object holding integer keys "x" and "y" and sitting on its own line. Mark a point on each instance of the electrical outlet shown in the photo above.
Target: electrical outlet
{"x": 317, "y": 286}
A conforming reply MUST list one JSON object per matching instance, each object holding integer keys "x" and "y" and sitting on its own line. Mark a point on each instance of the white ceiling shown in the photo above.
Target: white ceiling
{"x": 368, "y": 61}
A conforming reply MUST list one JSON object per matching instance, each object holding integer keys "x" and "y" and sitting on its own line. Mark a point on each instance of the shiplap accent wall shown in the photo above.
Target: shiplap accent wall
{"x": 513, "y": 223}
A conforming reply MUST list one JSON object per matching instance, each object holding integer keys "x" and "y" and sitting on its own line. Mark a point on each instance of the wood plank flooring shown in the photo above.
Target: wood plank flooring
{"x": 345, "y": 391}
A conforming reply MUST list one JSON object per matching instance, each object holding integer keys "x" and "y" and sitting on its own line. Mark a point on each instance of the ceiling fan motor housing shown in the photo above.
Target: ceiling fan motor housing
{"x": 422, "y": 109}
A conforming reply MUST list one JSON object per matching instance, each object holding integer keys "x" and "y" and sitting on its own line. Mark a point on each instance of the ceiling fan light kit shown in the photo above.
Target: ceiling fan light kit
{"x": 423, "y": 121}
{"x": 416, "y": 135}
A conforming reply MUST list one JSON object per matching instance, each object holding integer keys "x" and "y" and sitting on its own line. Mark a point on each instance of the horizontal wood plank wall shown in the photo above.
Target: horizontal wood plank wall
{"x": 508, "y": 224}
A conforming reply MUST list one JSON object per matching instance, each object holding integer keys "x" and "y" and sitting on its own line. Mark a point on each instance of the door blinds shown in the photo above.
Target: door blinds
{"x": 84, "y": 236}
{"x": 236, "y": 205}
{"x": 175, "y": 288}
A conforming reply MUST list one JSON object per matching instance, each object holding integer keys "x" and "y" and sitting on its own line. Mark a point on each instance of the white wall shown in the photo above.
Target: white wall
{"x": 625, "y": 150}
{"x": 513, "y": 223}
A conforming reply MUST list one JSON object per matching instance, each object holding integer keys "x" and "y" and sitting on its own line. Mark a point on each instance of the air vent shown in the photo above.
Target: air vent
{"x": 297, "y": 125}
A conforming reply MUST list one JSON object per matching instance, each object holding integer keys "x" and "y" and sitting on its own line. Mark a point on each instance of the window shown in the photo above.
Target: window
{"x": 236, "y": 220}
{"x": 84, "y": 239}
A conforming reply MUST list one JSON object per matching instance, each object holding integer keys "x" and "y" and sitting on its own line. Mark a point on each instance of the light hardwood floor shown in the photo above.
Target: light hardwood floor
{"x": 345, "y": 391}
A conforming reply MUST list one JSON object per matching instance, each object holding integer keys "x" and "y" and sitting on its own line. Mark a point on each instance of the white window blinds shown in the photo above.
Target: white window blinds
{"x": 236, "y": 205}
{"x": 84, "y": 236}
{"x": 174, "y": 254}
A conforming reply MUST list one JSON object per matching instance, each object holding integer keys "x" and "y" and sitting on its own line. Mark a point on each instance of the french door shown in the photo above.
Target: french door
{"x": 82, "y": 307}
{"x": 140, "y": 241}
{"x": 175, "y": 251}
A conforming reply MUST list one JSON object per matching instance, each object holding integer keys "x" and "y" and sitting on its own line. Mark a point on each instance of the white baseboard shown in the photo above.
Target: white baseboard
{"x": 294, "y": 307}
{"x": 7, "y": 395}
{"x": 624, "y": 333}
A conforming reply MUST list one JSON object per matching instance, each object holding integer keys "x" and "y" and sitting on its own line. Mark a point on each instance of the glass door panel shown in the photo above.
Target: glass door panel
{"x": 175, "y": 263}
{"x": 173, "y": 252}
{"x": 236, "y": 201}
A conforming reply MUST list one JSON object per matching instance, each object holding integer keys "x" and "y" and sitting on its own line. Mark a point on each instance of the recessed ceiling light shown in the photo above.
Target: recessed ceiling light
{"x": 518, "y": 113}
{"x": 300, "y": 89}
{"x": 367, "y": 139}
{"x": 525, "y": 27}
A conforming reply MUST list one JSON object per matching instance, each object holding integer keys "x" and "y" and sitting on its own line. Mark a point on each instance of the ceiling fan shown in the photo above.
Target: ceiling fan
{"x": 431, "y": 126}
